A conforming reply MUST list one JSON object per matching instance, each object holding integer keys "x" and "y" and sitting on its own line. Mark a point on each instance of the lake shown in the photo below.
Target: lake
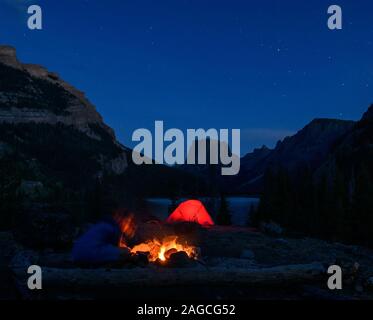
{"x": 239, "y": 207}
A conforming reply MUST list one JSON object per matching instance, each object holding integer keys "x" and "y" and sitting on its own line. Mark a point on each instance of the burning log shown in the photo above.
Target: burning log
{"x": 162, "y": 277}
{"x": 163, "y": 249}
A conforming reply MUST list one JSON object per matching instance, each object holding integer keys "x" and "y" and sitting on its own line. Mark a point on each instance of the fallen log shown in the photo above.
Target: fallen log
{"x": 163, "y": 277}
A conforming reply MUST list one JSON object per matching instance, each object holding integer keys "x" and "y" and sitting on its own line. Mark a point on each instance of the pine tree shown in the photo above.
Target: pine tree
{"x": 362, "y": 206}
{"x": 10, "y": 197}
{"x": 224, "y": 217}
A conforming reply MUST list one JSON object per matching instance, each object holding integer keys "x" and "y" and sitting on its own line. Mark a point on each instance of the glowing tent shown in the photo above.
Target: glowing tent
{"x": 191, "y": 211}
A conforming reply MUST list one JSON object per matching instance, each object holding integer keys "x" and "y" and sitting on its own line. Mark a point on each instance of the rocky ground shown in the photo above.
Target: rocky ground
{"x": 7, "y": 250}
{"x": 228, "y": 248}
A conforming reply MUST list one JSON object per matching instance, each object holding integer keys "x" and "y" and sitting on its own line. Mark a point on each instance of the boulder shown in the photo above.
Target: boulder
{"x": 179, "y": 260}
{"x": 247, "y": 254}
{"x": 32, "y": 189}
{"x": 271, "y": 228}
{"x": 45, "y": 227}
{"x": 369, "y": 284}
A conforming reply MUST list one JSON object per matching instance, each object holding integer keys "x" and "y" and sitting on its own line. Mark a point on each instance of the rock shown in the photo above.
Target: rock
{"x": 7, "y": 245}
{"x": 369, "y": 283}
{"x": 355, "y": 268}
{"x": 179, "y": 260}
{"x": 198, "y": 253}
{"x": 271, "y": 228}
{"x": 24, "y": 258}
{"x": 8, "y": 248}
{"x": 359, "y": 287}
{"x": 56, "y": 260}
{"x": 8, "y": 56}
{"x": 45, "y": 227}
{"x": 140, "y": 259}
{"x": 31, "y": 189}
{"x": 230, "y": 263}
{"x": 4, "y": 149}
{"x": 247, "y": 254}
{"x": 282, "y": 241}
{"x": 118, "y": 165}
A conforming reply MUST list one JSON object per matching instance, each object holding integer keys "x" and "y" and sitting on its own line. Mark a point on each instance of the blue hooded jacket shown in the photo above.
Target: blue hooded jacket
{"x": 99, "y": 245}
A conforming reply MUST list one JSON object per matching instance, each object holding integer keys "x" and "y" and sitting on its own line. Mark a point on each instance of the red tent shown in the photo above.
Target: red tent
{"x": 191, "y": 211}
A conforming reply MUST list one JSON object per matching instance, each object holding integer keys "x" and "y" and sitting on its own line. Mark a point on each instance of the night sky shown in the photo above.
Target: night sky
{"x": 266, "y": 67}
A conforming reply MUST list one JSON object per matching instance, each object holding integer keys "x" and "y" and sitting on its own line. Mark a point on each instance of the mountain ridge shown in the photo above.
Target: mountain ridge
{"x": 307, "y": 147}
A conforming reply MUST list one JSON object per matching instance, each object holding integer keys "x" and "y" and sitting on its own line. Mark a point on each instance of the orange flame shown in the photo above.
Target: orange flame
{"x": 127, "y": 226}
{"x": 162, "y": 250}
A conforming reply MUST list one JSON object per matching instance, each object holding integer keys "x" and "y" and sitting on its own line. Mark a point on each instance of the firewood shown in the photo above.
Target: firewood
{"x": 116, "y": 278}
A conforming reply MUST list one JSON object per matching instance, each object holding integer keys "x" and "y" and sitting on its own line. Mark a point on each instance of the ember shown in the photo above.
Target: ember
{"x": 163, "y": 249}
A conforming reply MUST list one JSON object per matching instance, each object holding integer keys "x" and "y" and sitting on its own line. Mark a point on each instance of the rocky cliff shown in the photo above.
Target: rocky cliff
{"x": 31, "y": 95}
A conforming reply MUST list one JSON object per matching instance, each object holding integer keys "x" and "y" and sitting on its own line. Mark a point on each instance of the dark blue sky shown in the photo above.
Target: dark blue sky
{"x": 267, "y": 67}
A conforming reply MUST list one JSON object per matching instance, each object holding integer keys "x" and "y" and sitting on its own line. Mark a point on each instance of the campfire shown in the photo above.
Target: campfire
{"x": 163, "y": 249}
{"x": 157, "y": 250}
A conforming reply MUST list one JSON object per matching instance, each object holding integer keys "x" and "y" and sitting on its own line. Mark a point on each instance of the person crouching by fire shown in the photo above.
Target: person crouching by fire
{"x": 105, "y": 243}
